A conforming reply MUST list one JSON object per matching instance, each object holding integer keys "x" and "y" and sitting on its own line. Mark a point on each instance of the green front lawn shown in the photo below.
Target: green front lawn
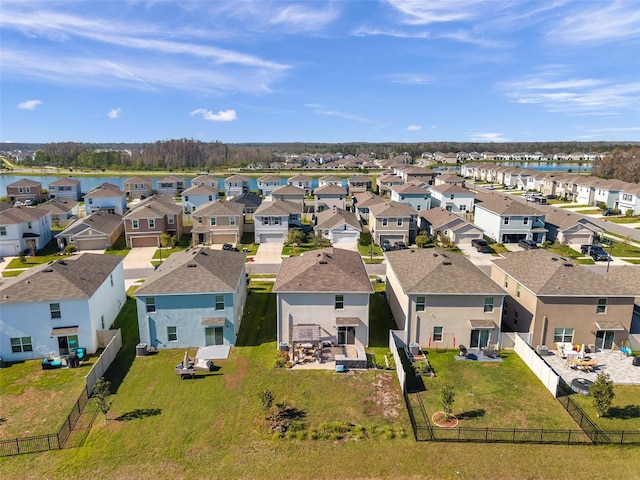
{"x": 119, "y": 247}
{"x": 623, "y": 220}
{"x": 164, "y": 253}
{"x": 369, "y": 250}
{"x": 624, "y": 413}
{"x": 33, "y": 261}
{"x": 563, "y": 250}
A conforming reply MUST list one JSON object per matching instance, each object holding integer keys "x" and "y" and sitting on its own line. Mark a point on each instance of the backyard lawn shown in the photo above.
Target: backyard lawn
{"x": 624, "y": 413}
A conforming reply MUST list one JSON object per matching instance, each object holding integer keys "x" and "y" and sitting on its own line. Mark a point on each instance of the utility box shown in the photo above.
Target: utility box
{"x": 542, "y": 350}
{"x": 142, "y": 350}
{"x": 414, "y": 349}
{"x": 283, "y": 347}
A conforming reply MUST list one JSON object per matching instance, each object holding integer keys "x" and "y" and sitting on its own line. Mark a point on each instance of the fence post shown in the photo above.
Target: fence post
{"x": 18, "y": 445}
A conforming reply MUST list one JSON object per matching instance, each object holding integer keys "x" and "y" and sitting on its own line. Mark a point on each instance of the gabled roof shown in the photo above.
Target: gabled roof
{"x": 248, "y": 199}
{"x": 434, "y": 271}
{"x": 154, "y": 207}
{"x": 278, "y": 208}
{"x": 197, "y": 270}
{"x": 450, "y": 188}
{"x": 219, "y": 208}
{"x": 334, "y": 217}
{"x": 236, "y": 178}
{"x": 204, "y": 178}
{"x": 366, "y": 199}
{"x": 359, "y": 179}
{"x": 138, "y": 179}
{"x": 59, "y": 205}
{"x": 104, "y": 190}
{"x": 627, "y": 277}
{"x": 439, "y": 216}
{"x": 410, "y": 189}
{"x": 326, "y": 270}
{"x": 72, "y": 278}
{"x": 299, "y": 178}
{"x": 270, "y": 178}
{"x": 418, "y": 171}
{"x": 171, "y": 178}
{"x": 392, "y": 209}
{"x": 65, "y": 181}
{"x": 548, "y": 274}
{"x": 503, "y": 205}
{"x": 389, "y": 178}
{"x": 331, "y": 178}
{"x": 200, "y": 190}
{"x": 563, "y": 219}
{"x": 101, "y": 220}
{"x": 15, "y": 215}
{"x": 288, "y": 190}
{"x": 25, "y": 182}
{"x": 330, "y": 189}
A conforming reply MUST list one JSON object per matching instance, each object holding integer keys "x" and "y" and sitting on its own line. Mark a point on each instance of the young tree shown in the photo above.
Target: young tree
{"x": 447, "y": 399}
{"x": 102, "y": 392}
{"x": 602, "y": 393}
{"x": 266, "y": 400}
{"x": 422, "y": 239}
{"x": 295, "y": 236}
{"x": 167, "y": 240}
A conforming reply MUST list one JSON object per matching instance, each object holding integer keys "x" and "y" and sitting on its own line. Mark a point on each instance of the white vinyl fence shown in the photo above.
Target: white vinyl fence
{"x": 634, "y": 341}
{"x": 538, "y": 366}
{"x": 396, "y": 341}
{"x": 103, "y": 362}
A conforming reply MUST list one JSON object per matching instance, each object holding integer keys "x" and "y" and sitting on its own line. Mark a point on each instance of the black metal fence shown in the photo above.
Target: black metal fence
{"x": 50, "y": 441}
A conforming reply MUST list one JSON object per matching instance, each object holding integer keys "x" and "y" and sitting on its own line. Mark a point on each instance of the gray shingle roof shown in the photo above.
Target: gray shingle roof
{"x": 197, "y": 270}
{"x": 367, "y": 199}
{"x": 248, "y": 199}
{"x": 450, "y": 188}
{"x": 155, "y": 206}
{"x": 15, "y": 215}
{"x": 59, "y": 205}
{"x": 104, "y": 190}
{"x": 410, "y": 188}
{"x": 65, "y": 181}
{"x": 325, "y": 270}
{"x": 330, "y": 189}
{"x": 200, "y": 190}
{"x": 72, "y": 278}
{"x": 438, "y": 272}
{"x": 277, "y": 208}
{"x": 503, "y": 205}
{"x": 288, "y": 190}
{"x": 439, "y": 216}
{"x": 392, "y": 209}
{"x": 219, "y": 208}
{"x": 331, "y": 218}
{"x": 102, "y": 221}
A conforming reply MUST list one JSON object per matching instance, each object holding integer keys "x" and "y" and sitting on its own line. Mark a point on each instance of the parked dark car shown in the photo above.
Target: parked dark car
{"x": 386, "y": 246}
{"x": 481, "y": 245}
{"x": 610, "y": 211}
{"x": 527, "y": 244}
{"x": 229, "y": 247}
{"x": 399, "y": 246}
{"x": 596, "y": 252}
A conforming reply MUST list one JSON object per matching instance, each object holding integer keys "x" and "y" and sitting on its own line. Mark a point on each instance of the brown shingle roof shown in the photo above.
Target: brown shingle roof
{"x": 155, "y": 206}
{"x": 409, "y": 188}
{"x": 102, "y": 221}
{"x": 200, "y": 190}
{"x": 65, "y": 181}
{"x": 25, "y": 182}
{"x": 104, "y": 190}
{"x": 367, "y": 199}
{"x": 450, "y": 188}
{"x": 330, "y": 189}
{"x": 325, "y": 270}
{"x": 59, "y": 205}
{"x": 278, "y": 208}
{"x": 219, "y": 208}
{"x": 288, "y": 190}
{"x": 440, "y": 216}
{"x": 392, "y": 209}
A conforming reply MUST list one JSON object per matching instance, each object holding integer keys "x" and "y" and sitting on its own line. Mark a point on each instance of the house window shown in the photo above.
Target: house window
{"x": 506, "y": 221}
{"x": 385, "y": 222}
{"x": 186, "y": 198}
{"x": 463, "y": 208}
{"x": 399, "y": 222}
{"x": 29, "y": 225}
{"x": 211, "y": 198}
{"x": 172, "y": 334}
{"x": 276, "y": 221}
{"x": 54, "y": 308}
{"x": 518, "y": 290}
{"x": 91, "y": 201}
{"x": 21, "y": 344}
{"x": 219, "y": 302}
{"x": 488, "y": 304}
{"x": 151, "y": 304}
{"x": 111, "y": 278}
{"x": 265, "y": 220}
{"x": 134, "y": 224}
{"x": 170, "y": 219}
{"x": 506, "y": 281}
{"x": 152, "y": 223}
{"x": 515, "y": 318}
{"x": 232, "y": 221}
{"x": 213, "y": 221}
{"x": 505, "y": 308}
{"x": 602, "y": 305}
{"x": 339, "y": 303}
{"x": 420, "y": 303}
{"x": 438, "y": 334}
{"x": 525, "y": 221}
{"x": 563, "y": 335}
{"x": 3, "y": 231}
{"x": 214, "y": 336}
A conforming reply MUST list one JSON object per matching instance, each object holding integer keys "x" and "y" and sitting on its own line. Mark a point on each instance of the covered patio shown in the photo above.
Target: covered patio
{"x": 310, "y": 350}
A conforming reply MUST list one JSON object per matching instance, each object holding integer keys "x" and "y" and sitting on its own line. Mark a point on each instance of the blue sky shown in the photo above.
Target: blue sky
{"x": 311, "y": 71}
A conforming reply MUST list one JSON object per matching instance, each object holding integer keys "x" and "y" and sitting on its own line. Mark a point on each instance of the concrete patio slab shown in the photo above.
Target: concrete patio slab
{"x": 615, "y": 363}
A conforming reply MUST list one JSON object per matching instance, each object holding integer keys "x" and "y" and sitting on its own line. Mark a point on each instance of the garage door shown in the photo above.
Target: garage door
{"x": 578, "y": 239}
{"x": 345, "y": 237}
{"x": 144, "y": 241}
{"x": 271, "y": 238}
{"x": 91, "y": 244}
{"x": 391, "y": 238}
{"x": 465, "y": 238}
{"x": 223, "y": 238}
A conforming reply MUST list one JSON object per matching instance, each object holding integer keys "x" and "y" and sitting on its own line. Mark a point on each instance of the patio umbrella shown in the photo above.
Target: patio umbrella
{"x": 581, "y": 353}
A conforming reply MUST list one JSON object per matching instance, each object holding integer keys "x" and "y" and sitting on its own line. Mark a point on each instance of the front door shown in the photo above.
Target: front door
{"x": 480, "y": 338}
{"x": 67, "y": 344}
{"x": 604, "y": 339}
{"x": 213, "y": 336}
{"x": 346, "y": 335}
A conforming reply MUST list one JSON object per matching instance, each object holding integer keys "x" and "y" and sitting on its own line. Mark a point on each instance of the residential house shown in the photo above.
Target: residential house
{"x": 558, "y": 301}
{"x": 409, "y": 173}
{"x": 138, "y": 188}
{"x": 290, "y": 193}
{"x": 392, "y": 222}
{"x": 301, "y": 181}
{"x": 250, "y": 201}
{"x": 534, "y": 182}
{"x": 98, "y": 231}
{"x": 442, "y": 300}
{"x": 267, "y": 183}
{"x": 171, "y": 185}
{"x": 63, "y": 210}
{"x": 358, "y": 184}
{"x": 194, "y": 299}
{"x": 506, "y": 220}
{"x": 218, "y": 223}
{"x": 419, "y": 197}
{"x": 66, "y": 188}
{"x": 105, "y": 196}
{"x": 629, "y": 199}
{"x": 609, "y": 192}
{"x": 25, "y": 190}
{"x": 456, "y": 199}
{"x": 449, "y": 179}
{"x": 273, "y": 219}
{"x": 206, "y": 179}
{"x": 323, "y": 295}
{"x": 150, "y": 218}
{"x": 236, "y": 185}
{"x": 387, "y": 182}
{"x": 197, "y": 195}
{"x": 338, "y": 225}
{"x": 439, "y": 221}
{"x": 330, "y": 180}
{"x": 570, "y": 228}
{"x": 362, "y": 202}
{"x": 329, "y": 196}
{"x": 24, "y": 229}
{"x": 55, "y": 308}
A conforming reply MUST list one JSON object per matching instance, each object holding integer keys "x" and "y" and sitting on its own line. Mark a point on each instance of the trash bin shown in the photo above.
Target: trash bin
{"x": 142, "y": 349}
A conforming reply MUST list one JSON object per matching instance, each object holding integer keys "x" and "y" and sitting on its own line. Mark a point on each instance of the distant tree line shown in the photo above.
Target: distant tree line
{"x": 620, "y": 164}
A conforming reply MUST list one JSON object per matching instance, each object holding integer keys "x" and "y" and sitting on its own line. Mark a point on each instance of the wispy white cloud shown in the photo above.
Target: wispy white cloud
{"x": 321, "y": 110}
{"x": 29, "y": 104}
{"x": 221, "y": 116}
{"x": 414, "y": 128}
{"x": 419, "y": 12}
{"x": 488, "y": 137}
{"x": 409, "y": 78}
{"x": 303, "y": 17}
{"x": 114, "y": 113}
{"x": 616, "y": 130}
{"x": 462, "y": 36}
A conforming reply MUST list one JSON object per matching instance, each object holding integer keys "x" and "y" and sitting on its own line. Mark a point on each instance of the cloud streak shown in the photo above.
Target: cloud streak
{"x": 488, "y": 137}
{"x": 221, "y": 116}
{"x": 29, "y": 104}
{"x": 114, "y": 113}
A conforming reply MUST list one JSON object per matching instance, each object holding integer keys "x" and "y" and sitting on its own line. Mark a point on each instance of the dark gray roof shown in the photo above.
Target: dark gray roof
{"x": 333, "y": 217}
{"x": 330, "y": 189}
{"x": 105, "y": 189}
{"x": 65, "y": 181}
{"x": 15, "y": 215}
{"x": 219, "y": 208}
{"x": 503, "y": 205}
{"x": 248, "y": 199}
{"x": 59, "y": 205}
{"x": 101, "y": 220}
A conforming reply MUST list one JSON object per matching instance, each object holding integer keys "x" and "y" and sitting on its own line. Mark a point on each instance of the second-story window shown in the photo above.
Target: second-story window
{"x": 385, "y": 222}
{"x": 525, "y": 221}
{"x": 134, "y": 224}
{"x": 151, "y": 304}
{"x": 420, "y": 303}
{"x": 219, "y": 302}
{"x": 602, "y": 305}
{"x": 152, "y": 223}
{"x": 339, "y": 302}
{"x": 232, "y": 221}
{"x": 54, "y": 308}
{"x": 505, "y": 221}
{"x": 488, "y": 304}
{"x": 399, "y": 223}
{"x": 213, "y": 221}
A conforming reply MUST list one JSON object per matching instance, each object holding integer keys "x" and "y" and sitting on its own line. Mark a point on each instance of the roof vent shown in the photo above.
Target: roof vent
{"x": 554, "y": 259}
{"x": 568, "y": 264}
{"x": 28, "y": 282}
{"x": 48, "y": 270}
{"x": 204, "y": 253}
{"x": 446, "y": 263}
{"x": 62, "y": 262}
{"x": 435, "y": 254}
{"x": 323, "y": 262}
{"x": 191, "y": 265}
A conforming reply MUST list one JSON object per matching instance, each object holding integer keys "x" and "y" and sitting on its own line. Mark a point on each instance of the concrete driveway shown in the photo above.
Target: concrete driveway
{"x": 353, "y": 246}
{"x": 269, "y": 253}
{"x": 139, "y": 257}
{"x": 477, "y": 258}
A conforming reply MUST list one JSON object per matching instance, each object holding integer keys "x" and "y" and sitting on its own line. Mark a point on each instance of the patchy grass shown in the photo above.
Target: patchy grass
{"x": 624, "y": 413}
{"x": 291, "y": 250}
{"x": 623, "y": 249}
{"x": 572, "y": 206}
{"x": 589, "y": 211}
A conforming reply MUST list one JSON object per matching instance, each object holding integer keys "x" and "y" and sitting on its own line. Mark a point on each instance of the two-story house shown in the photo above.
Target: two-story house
{"x": 290, "y": 193}
{"x": 323, "y": 295}
{"x": 608, "y": 192}
{"x": 24, "y": 229}
{"x": 386, "y": 182}
{"x": 250, "y": 201}
{"x": 329, "y": 196}
{"x": 63, "y": 210}
{"x": 267, "y": 183}
{"x": 558, "y": 301}
{"x": 442, "y": 300}
{"x": 358, "y": 184}
{"x": 338, "y": 225}
{"x": 452, "y": 197}
{"x": 138, "y": 187}
{"x": 218, "y": 223}
{"x": 450, "y": 179}
{"x": 235, "y": 185}
{"x": 301, "y": 181}
{"x": 150, "y": 218}
{"x": 363, "y": 202}
{"x": 206, "y": 179}
{"x": 392, "y": 222}
{"x": 55, "y": 308}
{"x": 194, "y": 299}
{"x": 25, "y": 190}
{"x": 330, "y": 180}
{"x": 629, "y": 199}
{"x": 507, "y": 220}
{"x": 98, "y": 231}
{"x": 105, "y": 196}
{"x": 273, "y": 219}
{"x": 65, "y": 188}
{"x": 415, "y": 195}
{"x": 197, "y": 195}
{"x": 171, "y": 185}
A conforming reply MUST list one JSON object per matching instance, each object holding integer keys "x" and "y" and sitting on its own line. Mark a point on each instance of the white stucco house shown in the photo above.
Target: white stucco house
{"x": 24, "y": 228}
{"x": 52, "y": 309}
{"x": 198, "y": 195}
{"x": 454, "y": 198}
{"x": 629, "y": 199}
{"x": 507, "y": 220}
{"x": 339, "y": 226}
{"x": 105, "y": 196}
{"x": 272, "y": 220}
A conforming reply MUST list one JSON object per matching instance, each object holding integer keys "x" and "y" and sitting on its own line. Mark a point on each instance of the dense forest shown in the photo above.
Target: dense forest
{"x": 622, "y": 161}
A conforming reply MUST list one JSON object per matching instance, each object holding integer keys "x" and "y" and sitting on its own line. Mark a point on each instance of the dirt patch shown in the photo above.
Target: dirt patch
{"x": 385, "y": 399}
{"x": 151, "y": 386}
{"x": 33, "y": 413}
{"x": 231, "y": 381}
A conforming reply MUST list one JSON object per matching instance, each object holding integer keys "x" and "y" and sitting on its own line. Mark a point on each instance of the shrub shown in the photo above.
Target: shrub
{"x": 602, "y": 393}
{"x": 69, "y": 249}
